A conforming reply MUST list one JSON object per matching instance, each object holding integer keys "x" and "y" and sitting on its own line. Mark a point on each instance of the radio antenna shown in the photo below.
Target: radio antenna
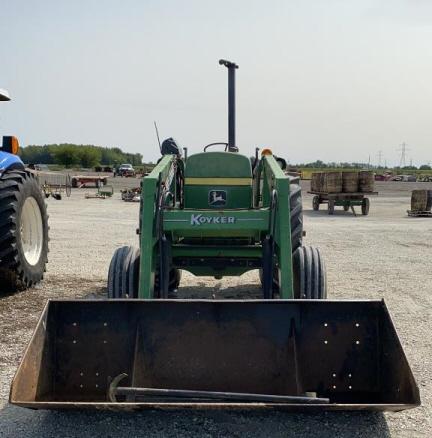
{"x": 157, "y": 135}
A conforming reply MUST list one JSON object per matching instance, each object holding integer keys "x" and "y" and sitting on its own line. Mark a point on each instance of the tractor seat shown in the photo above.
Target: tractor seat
{"x": 218, "y": 180}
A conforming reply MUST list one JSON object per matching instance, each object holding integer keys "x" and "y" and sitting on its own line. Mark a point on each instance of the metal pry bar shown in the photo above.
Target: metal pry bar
{"x": 131, "y": 392}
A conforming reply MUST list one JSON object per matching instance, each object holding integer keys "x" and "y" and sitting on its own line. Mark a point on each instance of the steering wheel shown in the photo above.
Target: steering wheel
{"x": 214, "y": 144}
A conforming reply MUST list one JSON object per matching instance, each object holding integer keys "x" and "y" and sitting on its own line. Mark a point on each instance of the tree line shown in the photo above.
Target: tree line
{"x": 71, "y": 155}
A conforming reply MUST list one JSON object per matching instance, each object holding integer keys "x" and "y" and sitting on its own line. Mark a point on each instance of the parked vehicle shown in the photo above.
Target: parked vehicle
{"x": 125, "y": 170}
{"x": 23, "y": 220}
{"x": 404, "y": 178}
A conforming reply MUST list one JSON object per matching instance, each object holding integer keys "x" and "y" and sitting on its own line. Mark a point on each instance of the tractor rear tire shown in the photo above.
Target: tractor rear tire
{"x": 23, "y": 231}
{"x": 309, "y": 275}
{"x": 123, "y": 274}
{"x": 296, "y": 213}
{"x": 174, "y": 282}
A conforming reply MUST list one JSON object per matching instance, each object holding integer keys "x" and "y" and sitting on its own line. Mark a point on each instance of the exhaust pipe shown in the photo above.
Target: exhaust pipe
{"x": 231, "y": 103}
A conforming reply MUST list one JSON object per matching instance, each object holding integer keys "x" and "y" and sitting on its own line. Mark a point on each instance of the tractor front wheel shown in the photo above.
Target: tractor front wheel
{"x": 309, "y": 275}
{"x": 123, "y": 273}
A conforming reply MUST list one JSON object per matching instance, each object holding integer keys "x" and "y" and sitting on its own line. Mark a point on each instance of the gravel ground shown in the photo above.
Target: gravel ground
{"x": 385, "y": 255}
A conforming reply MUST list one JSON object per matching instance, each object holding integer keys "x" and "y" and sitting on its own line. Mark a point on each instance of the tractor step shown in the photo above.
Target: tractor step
{"x": 247, "y": 354}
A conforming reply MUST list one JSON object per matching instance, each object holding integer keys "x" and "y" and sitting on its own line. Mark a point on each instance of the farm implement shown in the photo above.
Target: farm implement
{"x": 216, "y": 214}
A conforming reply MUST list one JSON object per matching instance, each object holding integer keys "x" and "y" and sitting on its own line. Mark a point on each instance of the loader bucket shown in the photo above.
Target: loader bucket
{"x": 279, "y": 354}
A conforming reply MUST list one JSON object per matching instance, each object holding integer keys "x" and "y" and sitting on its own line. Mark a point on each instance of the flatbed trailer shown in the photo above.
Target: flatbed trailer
{"x": 345, "y": 200}
{"x": 79, "y": 181}
{"x": 415, "y": 213}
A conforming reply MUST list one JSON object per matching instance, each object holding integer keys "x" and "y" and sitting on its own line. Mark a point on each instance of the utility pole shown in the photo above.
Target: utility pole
{"x": 379, "y": 158}
{"x": 403, "y": 149}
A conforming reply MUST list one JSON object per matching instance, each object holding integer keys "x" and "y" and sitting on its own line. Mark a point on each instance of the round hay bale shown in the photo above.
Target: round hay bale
{"x": 315, "y": 182}
{"x": 419, "y": 200}
{"x": 333, "y": 182}
{"x": 366, "y": 181}
{"x": 321, "y": 183}
{"x": 429, "y": 202}
{"x": 350, "y": 182}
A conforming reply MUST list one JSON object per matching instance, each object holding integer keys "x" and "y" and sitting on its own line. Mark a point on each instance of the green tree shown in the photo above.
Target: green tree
{"x": 66, "y": 155}
{"x": 89, "y": 156}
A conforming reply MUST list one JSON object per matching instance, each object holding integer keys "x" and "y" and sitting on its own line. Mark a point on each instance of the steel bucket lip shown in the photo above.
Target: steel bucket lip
{"x": 206, "y": 300}
{"x": 123, "y": 406}
{"x": 217, "y": 405}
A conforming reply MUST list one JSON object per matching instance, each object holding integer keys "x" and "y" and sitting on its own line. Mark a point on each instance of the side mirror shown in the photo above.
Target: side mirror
{"x": 10, "y": 144}
{"x": 282, "y": 163}
{"x": 4, "y": 95}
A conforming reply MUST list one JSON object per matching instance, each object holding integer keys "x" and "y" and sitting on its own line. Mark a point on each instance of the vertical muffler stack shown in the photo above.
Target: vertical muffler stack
{"x": 294, "y": 355}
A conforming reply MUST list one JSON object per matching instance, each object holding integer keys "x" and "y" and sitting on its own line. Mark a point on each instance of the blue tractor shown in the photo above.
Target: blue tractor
{"x": 23, "y": 220}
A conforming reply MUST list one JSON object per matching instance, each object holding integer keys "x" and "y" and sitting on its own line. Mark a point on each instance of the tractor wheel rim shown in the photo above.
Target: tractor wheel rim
{"x": 31, "y": 231}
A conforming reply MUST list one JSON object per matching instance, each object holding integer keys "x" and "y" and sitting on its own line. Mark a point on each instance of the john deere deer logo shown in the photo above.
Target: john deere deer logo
{"x": 217, "y": 198}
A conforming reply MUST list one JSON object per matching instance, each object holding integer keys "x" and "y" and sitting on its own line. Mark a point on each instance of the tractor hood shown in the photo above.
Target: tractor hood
{"x": 8, "y": 161}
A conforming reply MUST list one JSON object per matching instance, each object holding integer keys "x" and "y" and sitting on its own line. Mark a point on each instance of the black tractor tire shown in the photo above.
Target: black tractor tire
{"x": 346, "y": 207}
{"x": 330, "y": 207}
{"x": 74, "y": 183}
{"x": 174, "y": 282}
{"x": 365, "y": 206}
{"x": 23, "y": 231}
{"x": 296, "y": 213}
{"x": 309, "y": 274}
{"x": 315, "y": 203}
{"x": 123, "y": 274}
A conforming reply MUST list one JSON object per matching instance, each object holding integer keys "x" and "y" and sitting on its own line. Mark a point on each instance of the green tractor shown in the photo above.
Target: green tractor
{"x": 219, "y": 213}
{"x": 216, "y": 213}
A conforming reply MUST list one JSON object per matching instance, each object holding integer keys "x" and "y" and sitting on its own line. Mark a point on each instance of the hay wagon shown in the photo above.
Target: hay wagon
{"x": 345, "y": 200}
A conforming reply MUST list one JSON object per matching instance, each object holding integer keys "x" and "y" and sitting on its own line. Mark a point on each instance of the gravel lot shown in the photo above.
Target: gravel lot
{"x": 385, "y": 255}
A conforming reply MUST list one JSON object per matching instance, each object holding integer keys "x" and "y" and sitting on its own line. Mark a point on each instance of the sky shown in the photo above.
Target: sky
{"x": 335, "y": 80}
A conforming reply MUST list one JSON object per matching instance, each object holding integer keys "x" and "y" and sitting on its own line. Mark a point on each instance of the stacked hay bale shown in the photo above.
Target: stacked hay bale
{"x": 366, "y": 181}
{"x": 342, "y": 182}
{"x": 332, "y": 182}
{"x": 421, "y": 200}
{"x": 315, "y": 182}
{"x": 350, "y": 182}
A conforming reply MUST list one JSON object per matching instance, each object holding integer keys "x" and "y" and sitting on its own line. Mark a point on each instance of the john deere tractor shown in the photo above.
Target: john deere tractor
{"x": 23, "y": 220}
{"x": 219, "y": 213}
{"x": 216, "y": 213}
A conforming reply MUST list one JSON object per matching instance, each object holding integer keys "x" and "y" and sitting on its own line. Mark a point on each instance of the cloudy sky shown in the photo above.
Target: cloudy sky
{"x": 336, "y": 80}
